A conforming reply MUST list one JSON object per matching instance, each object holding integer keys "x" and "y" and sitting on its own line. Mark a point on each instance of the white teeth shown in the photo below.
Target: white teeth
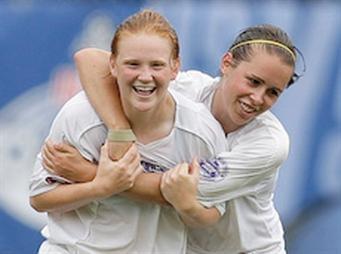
{"x": 144, "y": 88}
{"x": 248, "y": 108}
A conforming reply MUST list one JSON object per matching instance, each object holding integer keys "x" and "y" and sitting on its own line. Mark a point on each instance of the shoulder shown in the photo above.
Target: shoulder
{"x": 194, "y": 76}
{"x": 265, "y": 138}
{"x": 78, "y": 112}
{"x": 78, "y": 107}
{"x": 273, "y": 130}
{"x": 191, "y": 83}
{"x": 76, "y": 121}
{"x": 195, "y": 118}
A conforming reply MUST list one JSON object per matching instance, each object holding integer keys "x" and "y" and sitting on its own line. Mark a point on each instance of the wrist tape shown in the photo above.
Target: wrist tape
{"x": 123, "y": 135}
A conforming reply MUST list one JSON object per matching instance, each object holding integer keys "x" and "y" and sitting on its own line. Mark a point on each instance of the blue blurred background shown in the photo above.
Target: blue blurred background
{"x": 38, "y": 38}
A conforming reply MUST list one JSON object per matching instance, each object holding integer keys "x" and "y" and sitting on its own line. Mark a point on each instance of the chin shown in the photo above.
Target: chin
{"x": 241, "y": 122}
{"x": 144, "y": 108}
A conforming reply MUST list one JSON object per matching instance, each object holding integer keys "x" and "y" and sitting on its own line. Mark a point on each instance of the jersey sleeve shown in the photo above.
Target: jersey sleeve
{"x": 41, "y": 179}
{"x": 68, "y": 126}
{"x": 191, "y": 84}
{"x": 253, "y": 158}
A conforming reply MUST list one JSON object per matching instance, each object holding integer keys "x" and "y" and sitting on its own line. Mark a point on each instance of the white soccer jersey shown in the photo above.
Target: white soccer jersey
{"x": 117, "y": 224}
{"x": 246, "y": 180}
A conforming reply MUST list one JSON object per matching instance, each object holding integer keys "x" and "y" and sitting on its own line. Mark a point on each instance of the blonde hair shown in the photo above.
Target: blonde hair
{"x": 150, "y": 22}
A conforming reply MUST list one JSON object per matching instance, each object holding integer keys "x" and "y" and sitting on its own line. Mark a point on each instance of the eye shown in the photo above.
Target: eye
{"x": 253, "y": 81}
{"x": 158, "y": 65}
{"x": 132, "y": 64}
{"x": 274, "y": 92}
{"x": 293, "y": 79}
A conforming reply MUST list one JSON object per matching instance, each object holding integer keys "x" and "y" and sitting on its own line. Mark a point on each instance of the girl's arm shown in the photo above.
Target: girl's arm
{"x": 179, "y": 186}
{"x": 111, "y": 178}
{"x": 65, "y": 197}
{"x": 100, "y": 86}
{"x": 66, "y": 161}
{"x": 147, "y": 188}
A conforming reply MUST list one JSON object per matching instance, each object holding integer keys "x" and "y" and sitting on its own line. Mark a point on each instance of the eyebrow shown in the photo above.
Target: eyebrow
{"x": 258, "y": 78}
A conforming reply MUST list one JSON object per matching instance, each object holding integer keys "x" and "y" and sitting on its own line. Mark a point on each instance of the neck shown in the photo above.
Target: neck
{"x": 153, "y": 124}
{"x": 219, "y": 112}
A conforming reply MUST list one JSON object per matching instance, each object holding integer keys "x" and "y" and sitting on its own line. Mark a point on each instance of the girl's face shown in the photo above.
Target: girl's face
{"x": 143, "y": 67}
{"x": 250, "y": 88}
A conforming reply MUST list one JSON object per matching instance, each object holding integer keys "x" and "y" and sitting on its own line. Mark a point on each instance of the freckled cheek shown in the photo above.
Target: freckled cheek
{"x": 128, "y": 75}
{"x": 162, "y": 77}
{"x": 129, "y": 72}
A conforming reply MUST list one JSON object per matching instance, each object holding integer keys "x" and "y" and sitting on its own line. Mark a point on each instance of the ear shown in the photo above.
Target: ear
{"x": 113, "y": 66}
{"x": 226, "y": 62}
{"x": 175, "y": 67}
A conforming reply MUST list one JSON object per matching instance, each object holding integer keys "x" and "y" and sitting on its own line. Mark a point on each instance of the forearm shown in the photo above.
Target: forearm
{"x": 65, "y": 197}
{"x": 146, "y": 188}
{"x": 198, "y": 216}
{"x": 88, "y": 172}
{"x": 100, "y": 86}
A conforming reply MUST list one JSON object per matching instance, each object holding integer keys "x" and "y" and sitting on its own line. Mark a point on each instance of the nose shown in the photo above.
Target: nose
{"x": 145, "y": 75}
{"x": 258, "y": 97}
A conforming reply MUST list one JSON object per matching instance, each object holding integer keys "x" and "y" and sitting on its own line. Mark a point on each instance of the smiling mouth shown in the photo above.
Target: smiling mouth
{"x": 249, "y": 109}
{"x": 144, "y": 90}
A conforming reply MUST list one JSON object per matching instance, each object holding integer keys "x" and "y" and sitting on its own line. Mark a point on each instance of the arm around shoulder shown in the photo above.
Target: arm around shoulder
{"x": 100, "y": 86}
{"x": 102, "y": 91}
{"x": 92, "y": 58}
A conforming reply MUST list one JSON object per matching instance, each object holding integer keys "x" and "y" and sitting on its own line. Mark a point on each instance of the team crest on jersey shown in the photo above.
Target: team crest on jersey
{"x": 153, "y": 168}
{"x": 212, "y": 169}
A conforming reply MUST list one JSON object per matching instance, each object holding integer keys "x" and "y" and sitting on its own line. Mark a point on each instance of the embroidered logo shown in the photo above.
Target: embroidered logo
{"x": 212, "y": 169}
{"x": 152, "y": 168}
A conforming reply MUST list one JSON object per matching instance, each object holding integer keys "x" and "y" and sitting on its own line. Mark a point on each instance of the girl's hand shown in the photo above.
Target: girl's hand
{"x": 179, "y": 186}
{"x": 64, "y": 160}
{"x": 117, "y": 176}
